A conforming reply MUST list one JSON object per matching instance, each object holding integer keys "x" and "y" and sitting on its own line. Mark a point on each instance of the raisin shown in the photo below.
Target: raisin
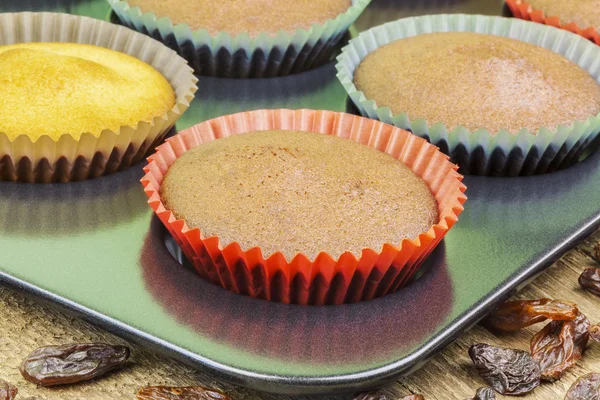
{"x": 507, "y": 371}
{"x": 514, "y": 315}
{"x": 60, "y": 365}
{"x": 484, "y": 393}
{"x": 7, "y": 391}
{"x": 596, "y": 252}
{"x": 180, "y": 393}
{"x": 590, "y": 280}
{"x": 374, "y": 395}
{"x": 585, "y": 388}
{"x": 413, "y": 397}
{"x": 595, "y": 332}
{"x": 559, "y": 345}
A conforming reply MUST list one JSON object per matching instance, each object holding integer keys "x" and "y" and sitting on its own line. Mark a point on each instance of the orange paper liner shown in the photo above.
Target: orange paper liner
{"x": 323, "y": 280}
{"x": 523, "y": 10}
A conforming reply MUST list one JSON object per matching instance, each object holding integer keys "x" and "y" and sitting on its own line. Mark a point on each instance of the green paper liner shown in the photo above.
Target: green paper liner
{"x": 302, "y": 280}
{"x": 480, "y": 152}
{"x": 242, "y": 56}
{"x": 66, "y": 159}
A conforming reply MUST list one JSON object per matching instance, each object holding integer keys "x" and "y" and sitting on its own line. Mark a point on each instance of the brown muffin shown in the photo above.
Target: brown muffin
{"x": 478, "y": 81}
{"x": 585, "y": 13}
{"x": 298, "y": 192}
{"x": 245, "y": 16}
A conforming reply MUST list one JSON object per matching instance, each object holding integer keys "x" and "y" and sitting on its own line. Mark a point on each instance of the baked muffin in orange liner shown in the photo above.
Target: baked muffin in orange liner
{"x": 301, "y": 280}
{"x": 523, "y": 10}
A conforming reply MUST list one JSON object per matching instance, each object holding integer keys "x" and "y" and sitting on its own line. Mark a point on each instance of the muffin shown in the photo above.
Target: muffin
{"x": 244, "y": 38}
{"x": 305, "y": 207}
{"x": 245, "y": 16}
{"x": 584, "y": 13}
{"x": 478, "y": 81}
{"x": 578, "y": 16}
{"x": 500, "y": 96}
{"x": 68, "y": 88}
{"x": 273, "y": 190}
{"x": 83, "y": 98}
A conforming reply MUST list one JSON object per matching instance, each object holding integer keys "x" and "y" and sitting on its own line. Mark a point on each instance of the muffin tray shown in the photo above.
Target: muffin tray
{"x": 95, "y": 248}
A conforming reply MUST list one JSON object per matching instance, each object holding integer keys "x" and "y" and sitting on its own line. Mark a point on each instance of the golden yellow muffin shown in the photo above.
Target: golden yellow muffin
{"x": 66, "y": 88}
{"x": 478, "y": 81}
{"x": 585, "y": 13}
{"x": 298, "y": 192}
{"x": 245, "y": 16}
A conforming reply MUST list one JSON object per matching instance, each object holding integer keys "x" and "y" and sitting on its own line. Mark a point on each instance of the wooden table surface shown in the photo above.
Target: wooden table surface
{"x": 26, "y": 324}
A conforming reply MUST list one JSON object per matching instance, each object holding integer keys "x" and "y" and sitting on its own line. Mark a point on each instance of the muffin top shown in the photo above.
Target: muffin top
{"x": 585, "y": 13}
{"x": 478, "y": 81}
{"x": 66, "y": 88}
{"x": 298, "y": 192}
{"x": 245, "y": 16}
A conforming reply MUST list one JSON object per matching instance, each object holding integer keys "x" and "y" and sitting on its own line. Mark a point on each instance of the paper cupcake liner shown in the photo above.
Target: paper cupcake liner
{"x": 481, "y": 152}
{"x": 522, "y": 9}
{"x": 242, "y": 56}
{"x": 323, "y": 280}
{"x": 67, "y": 159}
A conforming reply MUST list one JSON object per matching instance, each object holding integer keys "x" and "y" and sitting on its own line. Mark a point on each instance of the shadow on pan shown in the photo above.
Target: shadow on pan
{"x": 73, "y": 208}
{"x": 352, "y": 333}
{"x": 317, "y": 89}
{"x": 91, "y": 8}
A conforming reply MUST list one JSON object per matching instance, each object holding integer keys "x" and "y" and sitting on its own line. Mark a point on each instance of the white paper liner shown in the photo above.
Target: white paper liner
{"x": 480, "y": 152}
{"x": 242, "y": 56}
{"x": 67, "y": 159}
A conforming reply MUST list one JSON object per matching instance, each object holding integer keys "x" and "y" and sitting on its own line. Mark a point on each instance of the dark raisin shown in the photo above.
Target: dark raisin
{"x": 595, "y": 332}
{"x": 484, "y": 393}
{"x": 514, "y": 315}
{"x": 7, "y": 391}
{"x": 585, "y": 388}
{"x": 373, "y": 395}
{"x": 180, "y": 393}
{"x": 559, "y": 346}
{"x": 590, "y": 280}
{"x": 60, "y": 365}
{"x": 507, "y": 371}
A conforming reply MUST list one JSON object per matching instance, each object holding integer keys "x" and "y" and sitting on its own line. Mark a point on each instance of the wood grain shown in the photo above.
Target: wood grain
{"x": 27, "y": 324}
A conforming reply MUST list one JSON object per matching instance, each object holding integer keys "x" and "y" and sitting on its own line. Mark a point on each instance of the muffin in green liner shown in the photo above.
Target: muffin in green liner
{"x": 487, "y": 150}
{"x": 227, "y": 53}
